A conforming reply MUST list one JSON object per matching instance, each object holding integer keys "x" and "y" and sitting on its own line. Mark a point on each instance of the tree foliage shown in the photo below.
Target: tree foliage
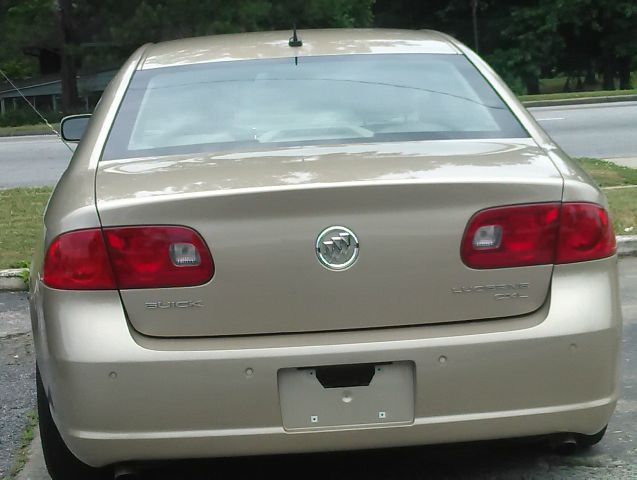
{"x": 23, "y": 24}
{"x": 523, "y": 39}
{"x": 527, "y": 39}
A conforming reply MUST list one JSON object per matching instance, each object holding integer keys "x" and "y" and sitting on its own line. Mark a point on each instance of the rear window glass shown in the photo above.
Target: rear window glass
{"x": 243, "y": 105}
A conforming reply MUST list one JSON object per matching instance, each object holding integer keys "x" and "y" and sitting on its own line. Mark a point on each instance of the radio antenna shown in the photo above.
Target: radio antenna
{"x": 295, "y": 41}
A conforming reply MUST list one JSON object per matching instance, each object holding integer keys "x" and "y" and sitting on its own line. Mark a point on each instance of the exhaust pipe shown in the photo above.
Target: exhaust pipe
{"x": 126, "y": 472}
{"x": 564, "y": 445}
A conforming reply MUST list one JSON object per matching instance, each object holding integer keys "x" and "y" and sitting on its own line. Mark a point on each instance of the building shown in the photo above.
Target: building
{"x": 44, "y": 93}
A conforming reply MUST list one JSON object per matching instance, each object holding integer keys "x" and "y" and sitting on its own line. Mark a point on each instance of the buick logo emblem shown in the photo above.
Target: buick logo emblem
{"x": 337, "y": 248}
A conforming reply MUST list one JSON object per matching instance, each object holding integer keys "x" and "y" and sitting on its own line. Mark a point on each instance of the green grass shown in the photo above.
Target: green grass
{"x": 22, "y": 455}
{"x": 622, "y": 201}
{"x": 608, "y": 174}
{"x": 568, "y": 95}
{"x": 20, "y": 223}
{"x": 623, "y": 210}
{"x": 38, "y": 129}
{"x": 552, "y": 85}
{"x": 557, "y": 84}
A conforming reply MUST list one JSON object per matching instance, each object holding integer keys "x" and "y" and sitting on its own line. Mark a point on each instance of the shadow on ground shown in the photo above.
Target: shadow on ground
{"x": 483, "y": 460}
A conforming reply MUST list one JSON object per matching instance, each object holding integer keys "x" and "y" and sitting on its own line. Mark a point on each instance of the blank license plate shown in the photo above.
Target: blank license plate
{"x": 347, "y": 396}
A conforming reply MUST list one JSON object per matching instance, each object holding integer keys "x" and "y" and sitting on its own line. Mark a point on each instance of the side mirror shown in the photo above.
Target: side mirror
{"x": 72, "y": 127}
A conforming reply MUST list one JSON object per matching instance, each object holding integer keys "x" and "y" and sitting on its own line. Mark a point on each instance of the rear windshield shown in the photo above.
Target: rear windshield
{"x": 251, "y": 104}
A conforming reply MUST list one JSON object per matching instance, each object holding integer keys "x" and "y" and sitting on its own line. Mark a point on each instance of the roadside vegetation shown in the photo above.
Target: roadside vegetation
{"x": 21, "y": 210}
{"x": 22, "y": 454}
{"x": 538, "y": 47}
{"x": 575, "y": 95}
{"x": 623, "y": 209}
{"x": 609, "y": 174}
{"x": 36, "y": 129}
{"x": 20, "y": 222}
{"x": 620, "y": 186}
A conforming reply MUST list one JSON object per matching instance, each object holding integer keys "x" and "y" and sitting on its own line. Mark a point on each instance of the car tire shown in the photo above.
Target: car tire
{"x": 60, "y": 461}
{"x": 587, "y": 441}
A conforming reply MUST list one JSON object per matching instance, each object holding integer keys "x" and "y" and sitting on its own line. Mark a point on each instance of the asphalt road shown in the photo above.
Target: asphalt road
{"x": 17, "y": 375}
{"x": 603, "y": 130}
{"x": 615, "y": 458}
{"x": 32, "y": 161}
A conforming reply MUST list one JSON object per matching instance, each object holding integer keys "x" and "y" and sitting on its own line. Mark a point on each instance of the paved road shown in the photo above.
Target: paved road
{"x": 615, "y": 458}
{"x": 607, "y": 130}
{"x": 604, "y": 130}
{"x": 32, "y": 161}
{"x": 17, "y": 394}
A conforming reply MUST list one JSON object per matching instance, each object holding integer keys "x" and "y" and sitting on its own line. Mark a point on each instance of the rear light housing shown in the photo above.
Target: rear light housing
{"x": 154, "y": 256}
{"x": 537, "y": 234}
{"x": 78, "y": 260}
{"x": 586, "y": 233}
{"x": 158, "y": 256}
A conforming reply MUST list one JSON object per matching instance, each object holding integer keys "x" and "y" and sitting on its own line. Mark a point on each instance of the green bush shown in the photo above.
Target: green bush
{"x": 24, "y": 116}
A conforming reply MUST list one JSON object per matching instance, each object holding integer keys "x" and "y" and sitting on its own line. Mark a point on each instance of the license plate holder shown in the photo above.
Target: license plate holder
{"x": 307, "y": 404}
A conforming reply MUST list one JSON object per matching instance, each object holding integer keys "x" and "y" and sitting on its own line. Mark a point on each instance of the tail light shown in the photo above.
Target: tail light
{"x": 158, "y": 256}
{"x": 586, "y": 233}
{"x": 78, "y": 261}
{"x": 128, "y": 257}
{"x": 537, "y": 234}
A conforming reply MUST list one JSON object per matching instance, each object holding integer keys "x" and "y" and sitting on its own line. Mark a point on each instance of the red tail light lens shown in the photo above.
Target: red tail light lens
{"x": 78, "y": 261}
{"x": 527, "y": 236}
{"x": 537, "y": 234}
{"x": 586, "y": 233}
{"x": 128, "y": 257}
{"x": 158, "y": 256}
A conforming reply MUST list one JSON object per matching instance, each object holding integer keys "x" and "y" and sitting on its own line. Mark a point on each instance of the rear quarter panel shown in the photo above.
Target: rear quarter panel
{"x": 72, "y": 203}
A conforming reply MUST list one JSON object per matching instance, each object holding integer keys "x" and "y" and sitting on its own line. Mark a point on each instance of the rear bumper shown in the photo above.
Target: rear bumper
{"x": 117, "y": 396}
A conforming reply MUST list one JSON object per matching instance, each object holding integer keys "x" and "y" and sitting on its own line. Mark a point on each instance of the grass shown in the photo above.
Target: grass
{"x": 38, "y": 129}
{"x": 622, "y": 201}
{"x": 568, "y": 95}
{"x": 608, "y": 174}
{"x": 623, "y": 210}
{"x": 557, "y": 84}
{"x": 22, "y": 455}
{"x": 20, "y": 223}
{"x": 21, "y": 210}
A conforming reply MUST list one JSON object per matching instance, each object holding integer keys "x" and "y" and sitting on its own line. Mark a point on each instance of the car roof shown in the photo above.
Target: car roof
{"x": 274, "y": 44}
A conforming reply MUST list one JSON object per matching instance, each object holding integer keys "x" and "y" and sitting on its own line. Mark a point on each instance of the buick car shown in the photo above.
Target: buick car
{"x": 276, "y": 243}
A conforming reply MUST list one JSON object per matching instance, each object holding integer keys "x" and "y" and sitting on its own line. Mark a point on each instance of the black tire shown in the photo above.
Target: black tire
{"x": 587, "y": 441}
{"x": 60, "y": 462}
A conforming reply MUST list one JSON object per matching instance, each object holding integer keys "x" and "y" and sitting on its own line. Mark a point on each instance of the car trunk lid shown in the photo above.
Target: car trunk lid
{"x": 262, "y": 212}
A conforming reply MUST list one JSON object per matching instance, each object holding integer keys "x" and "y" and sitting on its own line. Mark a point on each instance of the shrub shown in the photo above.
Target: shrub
{"x": 24, "y": 116}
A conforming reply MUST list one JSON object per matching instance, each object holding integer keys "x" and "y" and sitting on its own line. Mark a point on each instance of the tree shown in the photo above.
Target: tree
{"x": 103, "y": 32}
{"x": 474, "y": 18}
{"x": 23, "y": 23}
{"x": 613, "y": 26}
{"x": 524, "y": 39}
{"x": 533, "y": 42}
{"x": 67, "y": 38}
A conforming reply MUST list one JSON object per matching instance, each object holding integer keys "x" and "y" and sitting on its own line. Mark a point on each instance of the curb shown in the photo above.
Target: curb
{"x": 579, "y": 101}
{"x": 34, "y": 133}
{"x": 627, "y": 245}
{"x": 34, "y": 468}
{"x": 11, "y": 279}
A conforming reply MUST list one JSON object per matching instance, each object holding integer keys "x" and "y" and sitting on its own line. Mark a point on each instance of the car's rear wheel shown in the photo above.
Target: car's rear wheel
{"x": 587, "y": 441}
{"x": 60, "y": 461}
{"x": 570, "y": 443}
